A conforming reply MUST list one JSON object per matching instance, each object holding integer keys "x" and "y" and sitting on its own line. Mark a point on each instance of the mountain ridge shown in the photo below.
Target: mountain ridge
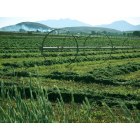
{"x": 26, "y": 26}
{"x": 62, "y": 23}
{"x": 34, "y": 26}
{"x": 76, "y": 25}
{"x": 88, "y": 30}
{"x": 121, "y": 25}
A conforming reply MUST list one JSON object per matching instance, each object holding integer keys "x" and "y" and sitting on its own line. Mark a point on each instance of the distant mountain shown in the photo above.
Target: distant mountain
{"x": 88, "y": 30}
{"x": 63, "y": 23}
{"x": 73, "y": 26}
{"x": 26, "y": 26}
{"x": 122, "y": 26}
{"x": 33, "y": 26}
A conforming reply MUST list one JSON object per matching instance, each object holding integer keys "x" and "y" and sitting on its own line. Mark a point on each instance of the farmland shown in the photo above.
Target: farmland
{"x": 99, "y": 82}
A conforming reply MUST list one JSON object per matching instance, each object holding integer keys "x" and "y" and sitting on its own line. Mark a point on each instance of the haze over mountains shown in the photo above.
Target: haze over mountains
{"x": 33, "y": 26}
{"x": 117, "y": 25}
{"x": 60, "y": 23}
{"x": 47, "y": 25}
{"x": 121, "y": 26}
{"x": 27, "y": 26}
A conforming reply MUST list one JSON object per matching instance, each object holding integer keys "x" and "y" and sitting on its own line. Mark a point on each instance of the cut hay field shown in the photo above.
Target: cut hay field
{"x": 99, "y": 84}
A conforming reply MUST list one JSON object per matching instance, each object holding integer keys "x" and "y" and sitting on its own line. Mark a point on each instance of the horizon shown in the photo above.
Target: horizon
{"x": 7, "y": 21}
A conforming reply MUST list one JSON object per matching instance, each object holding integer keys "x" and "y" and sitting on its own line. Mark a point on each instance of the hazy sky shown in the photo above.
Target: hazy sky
{"x": 89, "y": 11}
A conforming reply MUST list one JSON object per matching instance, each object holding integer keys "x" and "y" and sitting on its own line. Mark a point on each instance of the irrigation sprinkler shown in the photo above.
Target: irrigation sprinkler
{"x": 60, "y": 42}
{"x": 129, "y": 43}
{"x": 97, "y": 43}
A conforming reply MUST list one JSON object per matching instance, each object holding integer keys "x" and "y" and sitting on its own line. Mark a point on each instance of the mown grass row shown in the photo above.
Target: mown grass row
{"x": 62, "y": 60}
{"x": 20, "y": 51}
{"x": 103, "y": 75}
{"x": 60, "y": 105}
{"x": 30, "y": 90}
{"x": 65, "y": 54}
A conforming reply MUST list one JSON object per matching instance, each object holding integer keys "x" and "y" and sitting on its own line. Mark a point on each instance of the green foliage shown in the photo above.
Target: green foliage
{"x": 101, "y": 84}
{"x": 136, "y": 33}
{"x": 103, "y": 75}
{"x": 41, "y": 110}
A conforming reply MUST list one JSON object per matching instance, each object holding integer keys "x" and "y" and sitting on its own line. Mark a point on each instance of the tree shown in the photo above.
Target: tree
{"x": 30, "y": 32}
{"x": 22, "y": 30}
{"x": 93, "y": 32}
{"x": 124, "y": 34}
{"x": 136, "y": 33}
{"x": 38, "y": 31}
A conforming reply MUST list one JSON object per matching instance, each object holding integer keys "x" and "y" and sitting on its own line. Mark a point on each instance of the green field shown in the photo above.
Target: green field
{"x": 99, "y": 84}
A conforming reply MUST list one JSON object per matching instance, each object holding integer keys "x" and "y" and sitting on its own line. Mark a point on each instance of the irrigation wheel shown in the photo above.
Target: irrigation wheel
{"x": 59, "y": 46}
{"x": 98, "y": 47}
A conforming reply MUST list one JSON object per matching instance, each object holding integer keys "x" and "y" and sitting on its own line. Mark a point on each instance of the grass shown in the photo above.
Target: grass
{"x": 96, "y": 87}
{"x": 40, "y": 109}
